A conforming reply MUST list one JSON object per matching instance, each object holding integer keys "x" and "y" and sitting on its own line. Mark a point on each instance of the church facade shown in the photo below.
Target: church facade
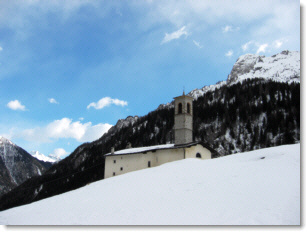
{"x": 132, "y": 159}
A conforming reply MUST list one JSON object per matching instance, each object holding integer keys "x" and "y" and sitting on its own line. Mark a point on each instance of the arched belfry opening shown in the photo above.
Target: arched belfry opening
{"x": 183, "y": 119}
{"x": 180, "y": 108}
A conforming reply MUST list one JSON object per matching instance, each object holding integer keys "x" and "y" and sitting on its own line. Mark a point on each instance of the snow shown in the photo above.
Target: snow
{"x": 6, "y": 141}
{"x": 141, "y": 149}
{"x": 196, "y": 93}
{"x": 282, "y": 67}
{"x": 261, "y": 187}
{"x": 42, "y": 157}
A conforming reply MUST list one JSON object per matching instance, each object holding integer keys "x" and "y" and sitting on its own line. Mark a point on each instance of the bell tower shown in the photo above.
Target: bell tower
{"x": 183, "y": 119}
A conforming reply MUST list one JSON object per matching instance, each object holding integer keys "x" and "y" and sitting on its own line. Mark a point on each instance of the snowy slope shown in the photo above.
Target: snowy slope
{"x": 42, "y": 157}
{"x": 255, "y": 188}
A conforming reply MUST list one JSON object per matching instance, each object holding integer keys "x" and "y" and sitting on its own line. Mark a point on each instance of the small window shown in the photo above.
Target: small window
{"x": 121, "y": 168}
{"x": 114, "y": 161}
{"x": 179, "y": 108}
{"x": 198, "y": 155}
{"x": 149, "y": 164}
{"x": 188, "y": 108}
{"x": 113, "y": 173}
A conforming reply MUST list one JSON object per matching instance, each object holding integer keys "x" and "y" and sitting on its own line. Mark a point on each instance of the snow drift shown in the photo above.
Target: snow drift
{"x": 261, "y": 187}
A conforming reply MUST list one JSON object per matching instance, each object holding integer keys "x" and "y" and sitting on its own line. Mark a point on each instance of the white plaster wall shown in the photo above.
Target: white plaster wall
{"x": 129, "y": 163}
{"x": 192, "y": 151}
{"x": 138, "y": 161}
{"x": 169, "y": 155}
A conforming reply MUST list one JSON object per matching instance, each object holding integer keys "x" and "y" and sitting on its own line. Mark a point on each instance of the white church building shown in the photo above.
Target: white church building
{"x": 132, "y": 159}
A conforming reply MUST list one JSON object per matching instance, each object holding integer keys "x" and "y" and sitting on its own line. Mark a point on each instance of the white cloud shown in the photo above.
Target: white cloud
{"x": 106, "y": 101}
{"x": 262, "y": 48}
{"x": 1, "y": 48}
{"x": 52, "y": 101}
{"x": 229, "y": 53}
{"x": 197, "y": 44}
{"x": 174, "y": 35}
{"x": 226, "y": 29}
{"x": 58, "y": 153}
{"x": 64, "y": 128}
{"x": 229, "y": 29}
{"x": 277, "y": 43}
{"x": 246, "y": 45}
{"x": 16, "y": 105}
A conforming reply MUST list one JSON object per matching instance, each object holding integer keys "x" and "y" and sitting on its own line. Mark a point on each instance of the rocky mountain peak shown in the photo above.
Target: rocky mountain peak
{"x": 16, "y": 165}
{"x": 282, "y": 67}
{"x": 4, "y": 140}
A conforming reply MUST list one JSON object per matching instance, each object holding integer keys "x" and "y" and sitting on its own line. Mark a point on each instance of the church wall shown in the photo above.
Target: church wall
{"x": 133, "y": 162}
{"x": 127, "y": 163}
{"x": 192, "y": 151}
{"x": 169, "y": 155}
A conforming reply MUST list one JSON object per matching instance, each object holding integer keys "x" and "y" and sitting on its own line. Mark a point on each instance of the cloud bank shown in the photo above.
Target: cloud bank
{"x": 64, "y": 128}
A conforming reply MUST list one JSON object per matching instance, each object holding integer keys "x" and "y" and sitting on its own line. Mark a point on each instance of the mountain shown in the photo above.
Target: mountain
{"x": 16, "y": 165}
{"x": 260, "y": 187}
{"x": 281, "y": 67}
{"x": 232, "y": 117}
{"x": 42, "y": 157}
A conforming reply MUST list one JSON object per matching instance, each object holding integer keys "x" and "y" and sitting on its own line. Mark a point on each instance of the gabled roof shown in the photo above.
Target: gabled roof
{"x": 158, "y": 147}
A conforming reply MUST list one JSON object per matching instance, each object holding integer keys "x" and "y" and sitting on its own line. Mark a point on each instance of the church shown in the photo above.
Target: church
{"x": 132, "y": 159}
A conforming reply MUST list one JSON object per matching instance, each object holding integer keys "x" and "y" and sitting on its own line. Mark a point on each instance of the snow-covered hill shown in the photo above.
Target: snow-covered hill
{"x": 261, "y": 187}
{"x": 42, "y": 157}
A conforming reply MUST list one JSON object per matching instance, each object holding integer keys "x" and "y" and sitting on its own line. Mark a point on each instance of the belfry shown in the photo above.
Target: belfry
{"x": 183, "y": 119}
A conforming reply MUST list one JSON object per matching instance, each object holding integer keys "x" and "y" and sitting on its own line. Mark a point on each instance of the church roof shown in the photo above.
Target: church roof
{"x": 157, "y": 147}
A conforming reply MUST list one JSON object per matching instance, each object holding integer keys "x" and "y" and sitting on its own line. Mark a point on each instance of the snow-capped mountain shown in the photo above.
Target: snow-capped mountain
{"x": 282, "y": 67}
{"x": 42, "y": 157}
{"x": 16, "y": 165}
{"x": 261, "y": 187}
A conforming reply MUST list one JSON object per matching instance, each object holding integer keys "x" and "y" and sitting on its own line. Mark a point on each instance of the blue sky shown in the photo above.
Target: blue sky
{"x": 70, "y": 69}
